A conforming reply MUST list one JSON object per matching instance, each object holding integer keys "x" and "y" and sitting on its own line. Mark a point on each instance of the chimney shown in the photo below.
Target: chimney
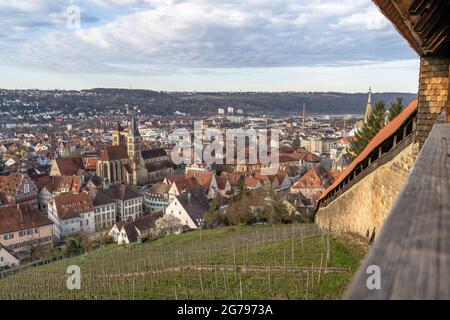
{"x": 19, "y": 210}
{"x": 189, "y": 197}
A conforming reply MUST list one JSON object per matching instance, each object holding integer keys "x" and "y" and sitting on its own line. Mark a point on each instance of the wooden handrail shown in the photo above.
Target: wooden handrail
{"x": 412, "y": 250}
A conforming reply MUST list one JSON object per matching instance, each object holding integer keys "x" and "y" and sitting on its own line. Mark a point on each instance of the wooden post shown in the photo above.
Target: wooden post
{"x": 448, "y": 96}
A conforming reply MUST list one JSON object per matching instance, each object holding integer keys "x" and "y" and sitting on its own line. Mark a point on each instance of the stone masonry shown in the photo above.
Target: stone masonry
{"x": 363, "y": 208}
{"x": 433, "y": 94}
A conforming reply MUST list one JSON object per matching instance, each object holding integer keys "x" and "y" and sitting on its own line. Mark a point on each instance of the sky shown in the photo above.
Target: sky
{"x": 203, "y": 45}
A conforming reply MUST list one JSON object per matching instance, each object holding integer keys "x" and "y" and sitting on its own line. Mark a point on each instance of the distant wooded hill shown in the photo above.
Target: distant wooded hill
{"x": 261, "y": 103}
{"x": 167, "y": 103}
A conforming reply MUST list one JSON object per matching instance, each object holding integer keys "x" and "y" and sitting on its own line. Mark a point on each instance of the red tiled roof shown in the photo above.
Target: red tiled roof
{"x": 21, "y": 218}
{"x": 70, "y": 183}
{"x": 315, "y": 178}
{"x": 379, "y": 138}
{"x": 91, "y": 163}
{"x": 41, "y": 180}
{"x": 185, "y": 184}
{"x": 112, "y": 153}
{"x": 69, "y": 166}
{"x": 251, "y": 182}
{"x": 70, "y": 205}
{"x": 233, "y": 178}
{"x": 204, "y": 178}
{"x": 304, "y": 155}
{"x": 222, "y": 182}
{"x": 10, "y": 184}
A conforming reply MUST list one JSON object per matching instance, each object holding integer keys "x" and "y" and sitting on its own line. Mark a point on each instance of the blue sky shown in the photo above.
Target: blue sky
{"x": 211, "y": 45}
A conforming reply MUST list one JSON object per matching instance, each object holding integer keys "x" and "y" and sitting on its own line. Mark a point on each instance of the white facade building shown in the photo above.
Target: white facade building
{"x": 71, "y": 214}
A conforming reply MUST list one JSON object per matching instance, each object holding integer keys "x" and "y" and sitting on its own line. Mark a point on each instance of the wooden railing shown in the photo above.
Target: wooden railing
{"x": 411, "y": 255}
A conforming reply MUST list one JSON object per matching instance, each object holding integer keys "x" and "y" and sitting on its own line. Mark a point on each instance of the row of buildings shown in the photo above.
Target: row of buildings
{"x": 55, "y": 185}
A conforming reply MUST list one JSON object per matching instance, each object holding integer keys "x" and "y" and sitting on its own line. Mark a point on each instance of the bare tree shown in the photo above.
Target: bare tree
{"x": 168, "y": 225}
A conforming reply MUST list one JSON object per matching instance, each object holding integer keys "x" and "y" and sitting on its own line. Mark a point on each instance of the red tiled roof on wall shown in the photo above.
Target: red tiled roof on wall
{"x": 379, "y": 138}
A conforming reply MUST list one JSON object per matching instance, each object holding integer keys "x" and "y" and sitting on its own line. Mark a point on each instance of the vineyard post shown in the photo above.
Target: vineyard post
{"x": 302, "y": 241}
{"x": 328, "y": 250}
{"x": 320, "y": 270}
{"x": 240, "y": 284}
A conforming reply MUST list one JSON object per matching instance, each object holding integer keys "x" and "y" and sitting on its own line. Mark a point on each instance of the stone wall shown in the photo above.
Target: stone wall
{"x": 363, "y": 208}
{"x": 433, "y": 93}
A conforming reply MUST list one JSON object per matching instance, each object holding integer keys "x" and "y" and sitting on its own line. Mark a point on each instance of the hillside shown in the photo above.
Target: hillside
{"x": 167, "y": 103}
{"x": 259, "y": 262}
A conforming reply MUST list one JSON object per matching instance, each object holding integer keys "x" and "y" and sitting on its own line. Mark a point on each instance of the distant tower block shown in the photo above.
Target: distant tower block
{"x": 369, "y": 106}
{"x": 230, "y": 110}
{"x": 304, "y": 115}
{"x": 221, "y": 111}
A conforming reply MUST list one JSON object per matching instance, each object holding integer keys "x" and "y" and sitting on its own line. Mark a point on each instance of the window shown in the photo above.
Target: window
{"x": 8, "y": 236}
{"x": 29, "y": 232}
{"x": 22, "y": 234}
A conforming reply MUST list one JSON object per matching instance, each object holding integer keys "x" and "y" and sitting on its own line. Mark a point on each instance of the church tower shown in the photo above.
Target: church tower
{"x": 369, "y": 106}
{"x": 134, "y": 140}
{"x": 118, "y": 135}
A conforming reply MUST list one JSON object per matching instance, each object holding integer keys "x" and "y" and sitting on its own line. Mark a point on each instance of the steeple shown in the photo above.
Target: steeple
{"x": 119, "y": 127}
{"x": 369, "y": 106}
{"x": 134, "y": 127}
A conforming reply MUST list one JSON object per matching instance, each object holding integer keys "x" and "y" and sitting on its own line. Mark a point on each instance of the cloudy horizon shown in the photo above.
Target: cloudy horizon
{"x": 187, "y": 45}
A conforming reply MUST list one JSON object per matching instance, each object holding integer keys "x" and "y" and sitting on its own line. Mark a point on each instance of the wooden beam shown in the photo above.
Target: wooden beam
{"x": 423, "y": 23}
{"x": 448, "y": 96}
{"x": 412, "y": 250}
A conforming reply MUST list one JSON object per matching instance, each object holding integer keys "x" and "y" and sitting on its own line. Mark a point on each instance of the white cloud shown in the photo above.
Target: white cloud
{"x": 151, "y": 36}
{"x": 371, "y": 19}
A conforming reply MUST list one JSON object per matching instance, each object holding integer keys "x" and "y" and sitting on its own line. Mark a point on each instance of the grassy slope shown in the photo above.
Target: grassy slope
{"x": 192, "y": 267}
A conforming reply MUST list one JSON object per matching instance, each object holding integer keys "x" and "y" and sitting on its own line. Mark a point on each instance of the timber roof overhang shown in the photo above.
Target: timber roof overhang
{"x": 423, "y": 23}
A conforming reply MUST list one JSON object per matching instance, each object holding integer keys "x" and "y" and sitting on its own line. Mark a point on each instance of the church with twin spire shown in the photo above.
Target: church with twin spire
{"x": 126, "y": 163}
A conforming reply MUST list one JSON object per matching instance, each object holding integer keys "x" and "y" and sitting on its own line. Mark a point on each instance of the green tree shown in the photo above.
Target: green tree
{"x": 395, "y": 109}
{"x": 242, "y": 192}
{"x": 72, "y": 246}
{"x": 214, "y": 206}
{"x": 375, "y": 122}
{"x": 214, "y": 217}
{"x": 278, "y": 213}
